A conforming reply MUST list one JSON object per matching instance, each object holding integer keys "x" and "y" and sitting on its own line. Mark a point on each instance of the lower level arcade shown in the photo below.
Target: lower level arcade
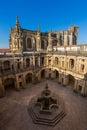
{"x": 20, "y": 80}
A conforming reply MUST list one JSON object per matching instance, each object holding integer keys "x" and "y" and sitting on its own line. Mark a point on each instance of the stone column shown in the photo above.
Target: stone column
{"x": 71, "y": 38}
{"x": 38, "y": 45}
{"x": 49, "y": 48}
{"x": 17, "y": 87}
{"x": 83, "y": 88}
{"x": 60, "y": 78}
{"x": 47, "y": 73}
{"x": 65, "y": 38}
{"x": 33, "y": 60}
{"x": 75, "y": 85}
{"x": 39, "y": 76}
{"x": 39, "y": 60}
{"x": 53, "y": 75}
{"x": 22, "y": 63}
{"x": 65, "y": 80}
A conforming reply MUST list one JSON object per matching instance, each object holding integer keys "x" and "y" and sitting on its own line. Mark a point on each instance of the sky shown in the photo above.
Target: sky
{"x": 55, "y": 14}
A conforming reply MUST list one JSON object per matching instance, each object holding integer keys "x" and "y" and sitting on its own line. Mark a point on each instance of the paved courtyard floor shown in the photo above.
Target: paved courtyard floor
{"x": 14, "y": 114}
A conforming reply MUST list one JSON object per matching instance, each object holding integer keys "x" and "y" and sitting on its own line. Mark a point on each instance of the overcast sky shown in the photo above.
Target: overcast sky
{"x": 55, "y": 14}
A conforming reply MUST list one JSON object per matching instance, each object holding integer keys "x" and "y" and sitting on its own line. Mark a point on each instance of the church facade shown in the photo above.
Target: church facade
{"x": 37, "y": 55}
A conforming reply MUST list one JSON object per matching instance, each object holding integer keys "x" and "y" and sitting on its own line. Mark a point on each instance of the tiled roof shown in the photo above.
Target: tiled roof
{"x": 4, "y": 50}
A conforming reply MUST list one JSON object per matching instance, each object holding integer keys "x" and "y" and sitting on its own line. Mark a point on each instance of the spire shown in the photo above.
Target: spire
{"x": 17, "y": 23}
{"x": 17, "y": 20}
{"x": 38, "y": 28}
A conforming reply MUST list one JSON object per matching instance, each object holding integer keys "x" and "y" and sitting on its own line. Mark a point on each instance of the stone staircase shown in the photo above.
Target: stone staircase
{"x": 45, "y": 121}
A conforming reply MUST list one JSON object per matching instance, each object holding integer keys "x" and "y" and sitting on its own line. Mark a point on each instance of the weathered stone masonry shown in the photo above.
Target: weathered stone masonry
{"x": 37, "y": 55}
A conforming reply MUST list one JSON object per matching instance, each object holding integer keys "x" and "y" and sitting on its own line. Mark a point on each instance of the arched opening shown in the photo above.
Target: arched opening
{"x": 60, "y": 40}
{"x": 36, "y": 61}
{"x": 9, "y": 84}
{"x": 82, "y": 67}
{"x": 29, "y": 43}
{"x": 42, "y": 61}
{"x": 79, "y": 88}
{"x": 18, "y": 66}
{"x": 50, "y": 76}
{"x": 42, "y": 74}
{"x": 42, "y": 44}
{"x": 45, "y": 44}
{"x": 6, "y": 65}
{"x": 56, "y": 60}
{"x": 27, "y": 62}
{"x": 29, "y": 78}
{"x": 57, "y": 74}
{"x": 74, "y": 40}
{"x": 71, "y": 80}
{"x": 72, "y": 62}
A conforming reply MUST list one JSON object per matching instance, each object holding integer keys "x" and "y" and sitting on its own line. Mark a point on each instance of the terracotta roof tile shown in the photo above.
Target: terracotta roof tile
{"x": 4, "y": 50}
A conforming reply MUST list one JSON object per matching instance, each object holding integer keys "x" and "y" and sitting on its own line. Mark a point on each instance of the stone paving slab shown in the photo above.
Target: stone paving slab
{"x": 14, "y": 114}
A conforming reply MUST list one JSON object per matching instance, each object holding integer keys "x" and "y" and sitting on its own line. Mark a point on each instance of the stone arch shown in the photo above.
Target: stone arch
{"x": 9, "y": 83}
{"x": 49, "y": 73}
{"x": 56, "y": 74}
{"x": 71, "y": 80}
{"x": 28, "y": 78}
{"x": 71, "y": 63}
{"x": 6, "y": 65}
{"x": 43, "y": 74}
{"x": 29, "y": 43}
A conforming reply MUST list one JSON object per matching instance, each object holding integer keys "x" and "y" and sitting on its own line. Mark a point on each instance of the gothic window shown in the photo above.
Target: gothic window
{"x": 68, "y": 40}
{"x": 74, "y": 40}
{"x": 42, "y": 61}
{"x": 29, "y": 43}
{"x": 55, "y": 43}
{"x": 72, "y": 63}
{"x": 60, "y": 40}
{"x": 42, "y": 44}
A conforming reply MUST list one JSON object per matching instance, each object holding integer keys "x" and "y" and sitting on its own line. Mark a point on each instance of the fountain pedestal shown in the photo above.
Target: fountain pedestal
{"x": 46, "y": 109}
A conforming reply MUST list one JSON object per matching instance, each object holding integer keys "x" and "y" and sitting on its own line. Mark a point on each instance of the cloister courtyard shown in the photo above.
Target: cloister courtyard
{"x": 14, "y": 108}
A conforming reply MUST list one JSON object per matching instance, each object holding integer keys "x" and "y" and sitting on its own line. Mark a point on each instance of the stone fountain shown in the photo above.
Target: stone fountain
{"x": 46, "y": 109}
